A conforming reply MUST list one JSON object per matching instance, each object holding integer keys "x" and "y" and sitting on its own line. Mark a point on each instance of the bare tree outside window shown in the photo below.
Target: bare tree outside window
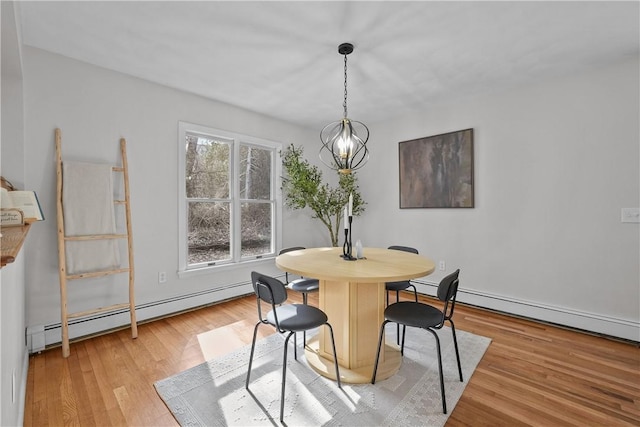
{"x": 255, "y": 191}
{"x": 208, "y": 192}
{"x": 215, "y": 200}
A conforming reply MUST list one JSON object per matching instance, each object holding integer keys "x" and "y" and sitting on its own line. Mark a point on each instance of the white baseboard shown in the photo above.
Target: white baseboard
{"x": 116, "y": 319}
{"x": 589, "y": 322}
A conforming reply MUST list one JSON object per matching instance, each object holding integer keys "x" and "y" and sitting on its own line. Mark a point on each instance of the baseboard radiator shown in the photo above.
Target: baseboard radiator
{"x": 560, "y": 316}
{"x": 40, "y": 337}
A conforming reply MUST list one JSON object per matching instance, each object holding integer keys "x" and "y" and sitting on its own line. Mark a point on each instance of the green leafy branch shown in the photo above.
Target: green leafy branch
{"x": 302, "y": 187}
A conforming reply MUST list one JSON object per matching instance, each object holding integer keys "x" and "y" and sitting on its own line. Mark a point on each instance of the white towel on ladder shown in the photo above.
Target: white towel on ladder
{"x": 87, "y": 203}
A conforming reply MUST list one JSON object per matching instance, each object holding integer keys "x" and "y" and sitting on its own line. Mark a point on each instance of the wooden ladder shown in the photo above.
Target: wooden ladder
{"x": 62, "y": 239}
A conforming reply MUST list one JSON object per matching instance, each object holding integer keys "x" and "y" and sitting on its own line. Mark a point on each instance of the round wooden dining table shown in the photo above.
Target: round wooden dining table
{"x": 352, "y": 294}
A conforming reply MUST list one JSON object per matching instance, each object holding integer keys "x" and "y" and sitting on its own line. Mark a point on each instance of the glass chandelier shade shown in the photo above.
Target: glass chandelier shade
{"x": 344, "y": 142}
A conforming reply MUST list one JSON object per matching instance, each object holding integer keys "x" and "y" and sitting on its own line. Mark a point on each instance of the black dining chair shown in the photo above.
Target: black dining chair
{"x": 304, "y": 285}
{"x": 286, "y": 319}
{"x": 425, "y": 316}
{"x": 403, "y": 284}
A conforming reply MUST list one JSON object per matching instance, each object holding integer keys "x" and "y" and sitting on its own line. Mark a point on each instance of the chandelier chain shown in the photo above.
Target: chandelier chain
{"x": 344, "y": 104}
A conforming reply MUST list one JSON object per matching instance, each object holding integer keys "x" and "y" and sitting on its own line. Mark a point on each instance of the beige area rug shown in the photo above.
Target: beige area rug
{"x": 213, "y": 393}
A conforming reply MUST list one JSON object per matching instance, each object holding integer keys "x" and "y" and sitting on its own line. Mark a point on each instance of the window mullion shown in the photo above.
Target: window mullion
{"x": 272, "y": 200}
{"x": 236, "y": 224}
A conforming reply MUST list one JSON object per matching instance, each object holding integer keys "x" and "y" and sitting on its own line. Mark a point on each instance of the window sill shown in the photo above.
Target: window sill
{"x": 214, "y": 269}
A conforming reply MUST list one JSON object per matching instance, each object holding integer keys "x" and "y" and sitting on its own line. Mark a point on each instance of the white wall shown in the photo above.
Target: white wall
{"x": 13, "y": 351}
{"x": 94, "y": 107}
{"x": 554, "y": 164}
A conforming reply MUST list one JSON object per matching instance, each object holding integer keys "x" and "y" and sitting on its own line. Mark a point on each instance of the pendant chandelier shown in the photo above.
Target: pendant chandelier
{"x": 344, "y": 142}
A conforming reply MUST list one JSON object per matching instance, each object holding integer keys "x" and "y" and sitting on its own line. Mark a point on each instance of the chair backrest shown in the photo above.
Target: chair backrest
{"x": 448, "y": 286}
{"x": 284, "y": 251}
{"x": 403, "y": 248}
{"x": 293, "y": 248}
{"x": 447, "y": 291}
{"x": 268, "y": 289}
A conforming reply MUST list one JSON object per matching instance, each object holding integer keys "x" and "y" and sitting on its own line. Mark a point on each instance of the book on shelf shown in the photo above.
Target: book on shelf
{"x": 24, "y": 201}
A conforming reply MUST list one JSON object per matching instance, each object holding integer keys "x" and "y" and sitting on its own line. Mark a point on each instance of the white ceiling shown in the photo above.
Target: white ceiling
{"x": 281, "y": 59}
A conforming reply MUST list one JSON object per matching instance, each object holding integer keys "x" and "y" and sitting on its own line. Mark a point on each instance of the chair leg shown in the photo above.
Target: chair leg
{"x": 295, "y": 346}
{"x": 404, "y": 333}
{"x": 398, "y": 324}
{"x": 335, "y": 355}
{"x": 284, "y": 375}
{"x": 253, "y": 346}
{"x": 444, "y": 400}
{"x": 375, "y": 366}
{"x": 455, "y": 344}
{"x": 304, "y": 333}
{"x": 415, "y": 292}
{"x": 415, "y": 297}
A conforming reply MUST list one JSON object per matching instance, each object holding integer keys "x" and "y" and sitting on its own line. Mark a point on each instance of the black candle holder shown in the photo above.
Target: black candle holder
{"x": 346, "y": 248}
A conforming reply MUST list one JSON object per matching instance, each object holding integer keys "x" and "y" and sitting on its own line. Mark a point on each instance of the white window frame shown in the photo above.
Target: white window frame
{"x": 235, "y": 226}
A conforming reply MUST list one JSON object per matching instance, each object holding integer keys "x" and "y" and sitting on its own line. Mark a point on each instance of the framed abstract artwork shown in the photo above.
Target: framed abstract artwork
{"x": 437, "y": 171}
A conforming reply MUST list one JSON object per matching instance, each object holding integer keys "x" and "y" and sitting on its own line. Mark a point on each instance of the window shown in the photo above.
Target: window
{"x": 228, "y": 192}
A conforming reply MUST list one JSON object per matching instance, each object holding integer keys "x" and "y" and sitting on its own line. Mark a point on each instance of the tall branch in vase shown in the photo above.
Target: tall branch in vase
{"x": 303, "y": 187}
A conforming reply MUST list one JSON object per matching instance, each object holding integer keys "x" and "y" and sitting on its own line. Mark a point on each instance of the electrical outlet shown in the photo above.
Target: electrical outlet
{"x": 442, "y": 266}
{"x": 162, "y": 276}
{"x": 630, "y": 215}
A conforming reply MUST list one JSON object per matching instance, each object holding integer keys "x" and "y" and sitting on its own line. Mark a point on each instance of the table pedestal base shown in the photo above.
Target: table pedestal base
{"x": 361, "y": 375}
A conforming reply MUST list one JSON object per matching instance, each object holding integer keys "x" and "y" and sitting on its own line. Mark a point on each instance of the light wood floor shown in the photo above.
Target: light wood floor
{"x": 532, "y": 374}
